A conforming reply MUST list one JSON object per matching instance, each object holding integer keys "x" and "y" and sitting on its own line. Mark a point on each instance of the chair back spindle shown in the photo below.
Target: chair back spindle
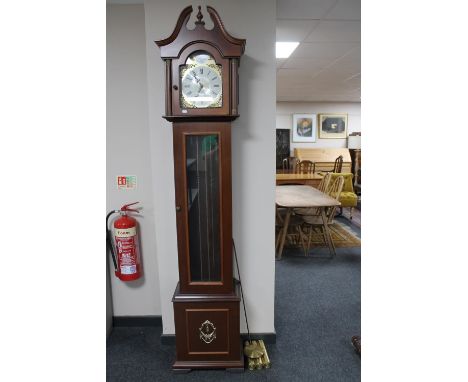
{"x": 305, "y": 167}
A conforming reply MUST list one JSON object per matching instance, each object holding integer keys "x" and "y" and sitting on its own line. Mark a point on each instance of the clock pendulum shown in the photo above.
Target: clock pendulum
{"x": 201, "y": 88}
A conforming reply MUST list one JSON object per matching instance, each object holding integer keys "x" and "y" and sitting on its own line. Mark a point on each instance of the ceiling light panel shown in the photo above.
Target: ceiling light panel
{"x": 284, "y": 49}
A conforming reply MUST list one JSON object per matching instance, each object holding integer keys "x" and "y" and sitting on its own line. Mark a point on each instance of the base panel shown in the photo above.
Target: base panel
{"x": 186, "y": 366}
{"x": 208, "y": 331}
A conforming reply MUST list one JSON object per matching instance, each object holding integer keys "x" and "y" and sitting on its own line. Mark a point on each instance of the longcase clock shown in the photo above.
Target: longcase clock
{"x": 201, "y": 101}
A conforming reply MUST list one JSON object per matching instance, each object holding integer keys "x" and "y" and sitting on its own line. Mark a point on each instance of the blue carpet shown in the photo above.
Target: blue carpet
{"x": 317, "y": 311}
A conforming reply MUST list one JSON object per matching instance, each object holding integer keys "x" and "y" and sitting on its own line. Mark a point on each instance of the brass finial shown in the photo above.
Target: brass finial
{"x": 199, "y": 17}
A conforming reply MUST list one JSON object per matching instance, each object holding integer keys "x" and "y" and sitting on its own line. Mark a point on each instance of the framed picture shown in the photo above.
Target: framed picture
{"x": 304, "y": 127}
{"x": 333, "y": 126}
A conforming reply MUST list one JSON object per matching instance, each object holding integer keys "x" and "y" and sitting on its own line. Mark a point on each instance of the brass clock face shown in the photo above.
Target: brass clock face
{"x": 201, "y": 82}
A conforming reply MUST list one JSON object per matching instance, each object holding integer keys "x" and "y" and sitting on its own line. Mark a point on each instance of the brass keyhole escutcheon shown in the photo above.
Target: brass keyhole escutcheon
{"x": 178, "y": 208}
{"x": 175, "y": 87}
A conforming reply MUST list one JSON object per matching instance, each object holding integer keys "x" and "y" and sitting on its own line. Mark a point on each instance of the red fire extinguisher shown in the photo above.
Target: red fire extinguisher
{"x": 126, "y": 255}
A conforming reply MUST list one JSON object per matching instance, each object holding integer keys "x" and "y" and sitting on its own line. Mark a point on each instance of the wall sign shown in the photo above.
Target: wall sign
{"x": 126, "y": 182}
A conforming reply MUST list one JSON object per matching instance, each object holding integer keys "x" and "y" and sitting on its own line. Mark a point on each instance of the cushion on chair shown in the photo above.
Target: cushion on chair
{"x": 347, "y": 199}
{"x": 348, "y": 180}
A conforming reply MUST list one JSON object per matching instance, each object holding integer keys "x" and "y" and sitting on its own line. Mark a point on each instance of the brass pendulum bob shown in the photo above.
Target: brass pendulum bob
{"x": 252, "y": 349}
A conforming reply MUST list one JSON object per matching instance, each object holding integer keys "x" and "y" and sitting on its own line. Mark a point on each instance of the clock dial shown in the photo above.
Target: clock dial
{"x": 200, "y": 82}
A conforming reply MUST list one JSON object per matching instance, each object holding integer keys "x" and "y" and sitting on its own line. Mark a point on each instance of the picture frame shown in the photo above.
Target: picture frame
{"x": 304, "y": 128}
{"x": 333, "y": 126}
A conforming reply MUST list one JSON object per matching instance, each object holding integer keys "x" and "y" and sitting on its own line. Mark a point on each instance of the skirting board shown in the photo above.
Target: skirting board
{"x": 137, "y": 321}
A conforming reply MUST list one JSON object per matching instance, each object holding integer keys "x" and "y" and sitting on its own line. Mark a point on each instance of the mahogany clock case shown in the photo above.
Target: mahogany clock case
{"x": 207, "y": 298}
{"x": 224, "y": 48}
{"x": 223, "y": 225}
{"x": 220, "y": 314}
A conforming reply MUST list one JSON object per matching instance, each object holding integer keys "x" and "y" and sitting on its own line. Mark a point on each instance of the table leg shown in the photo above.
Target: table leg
{"x": 331, "y": 246}
{"x": 283, "y": 234}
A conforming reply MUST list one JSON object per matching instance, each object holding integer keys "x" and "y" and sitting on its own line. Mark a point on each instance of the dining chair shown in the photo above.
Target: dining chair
{"x": 294, "y": 234}
{"x": 315, "y": 219}
{"x": 348, "y": 197}
{"x": 305, "y": 167}
{"x": 323, "y": 187}
{"x": 338, "y": 164}
{"x": 289, "y": 164}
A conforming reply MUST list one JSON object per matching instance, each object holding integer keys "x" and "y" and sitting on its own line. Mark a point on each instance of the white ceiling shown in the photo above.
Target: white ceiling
{"x": 326, "y": 66}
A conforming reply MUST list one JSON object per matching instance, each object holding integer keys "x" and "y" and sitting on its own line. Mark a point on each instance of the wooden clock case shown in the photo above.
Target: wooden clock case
{"x": 206, "y": 308}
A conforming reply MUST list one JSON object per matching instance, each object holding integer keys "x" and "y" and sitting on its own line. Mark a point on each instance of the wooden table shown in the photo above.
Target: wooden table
{"x": 306, "y": 179}
{"x": 291, "y": 197}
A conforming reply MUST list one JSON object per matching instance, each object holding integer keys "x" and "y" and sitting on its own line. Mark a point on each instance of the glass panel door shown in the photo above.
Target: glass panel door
{"x": 202, "y": 154}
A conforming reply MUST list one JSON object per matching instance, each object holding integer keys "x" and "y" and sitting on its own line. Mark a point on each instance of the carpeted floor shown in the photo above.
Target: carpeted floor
{"x": 317, "y": 311}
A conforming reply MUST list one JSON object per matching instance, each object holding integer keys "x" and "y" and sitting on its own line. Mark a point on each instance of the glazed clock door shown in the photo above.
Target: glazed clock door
{"x": 203, "y": 206}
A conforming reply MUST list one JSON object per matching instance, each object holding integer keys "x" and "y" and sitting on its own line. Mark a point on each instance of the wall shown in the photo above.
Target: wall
{"x": 109, "y": 310}
{"x": 128, "y": 150}
{"x": 253, "y": 148}
{"x": 285, "y": 111}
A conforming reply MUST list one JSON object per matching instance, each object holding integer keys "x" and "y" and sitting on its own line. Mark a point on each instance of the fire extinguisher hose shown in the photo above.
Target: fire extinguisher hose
{"x": 109, "y": 238}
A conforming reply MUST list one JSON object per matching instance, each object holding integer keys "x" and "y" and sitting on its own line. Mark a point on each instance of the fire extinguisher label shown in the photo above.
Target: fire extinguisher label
{"x": 128, "y": 269}
{"x": 127, "y": 249}
{"x": 127, "y": 232}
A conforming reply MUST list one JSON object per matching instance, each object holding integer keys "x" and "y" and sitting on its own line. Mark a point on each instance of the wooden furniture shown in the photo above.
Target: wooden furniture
{"x": 354, "y": 146}
{"x": 338, "y": 164}
{"x": 356, "y": 169}
{"x": 314, "y": 217}
{"x": 348, "y": 197}
{"x": 289, "y": 165}
{"x": 305, "y": 167}
{"x": 307, "y": 179}
{"x": 324, "y": 158}
{"x": 283, "y": 149}
{"x": 201, "y": 101}
{"x": 291, "y": 197}
{"x": 356, "y": 341}
{"x": 323, "y": 186}
{"x": 324, "y": 183}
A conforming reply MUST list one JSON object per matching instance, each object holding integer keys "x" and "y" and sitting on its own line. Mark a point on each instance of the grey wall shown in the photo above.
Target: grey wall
{"x": 128, "y": 150}
{"x": 109, "y": 310}
{"x": 253, "y": 148}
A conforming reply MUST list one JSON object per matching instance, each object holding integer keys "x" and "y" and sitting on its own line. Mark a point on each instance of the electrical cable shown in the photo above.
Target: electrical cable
{"x": 242, "y": 291}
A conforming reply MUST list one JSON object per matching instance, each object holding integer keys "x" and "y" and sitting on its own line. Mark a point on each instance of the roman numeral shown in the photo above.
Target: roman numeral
{"x": 209, "y": 71}
{"x": 201, "y": 70}
{"x": 216, "y": 86}
{"x": 214, "y": 78}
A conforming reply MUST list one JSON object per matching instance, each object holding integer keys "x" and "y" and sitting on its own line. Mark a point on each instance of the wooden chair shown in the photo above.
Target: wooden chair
{"x": 315, "y": 220}
{"x": 348, "y": 197}
{"x": 338, "y": 164}
{"x": 294, "y": 233}
{"x": 324, "y": 183}
{"x": 289, "y": 164}
{"x": 323, "y": 186}
{"x": 305, "y": 167}
{"x": 337, "y": 167}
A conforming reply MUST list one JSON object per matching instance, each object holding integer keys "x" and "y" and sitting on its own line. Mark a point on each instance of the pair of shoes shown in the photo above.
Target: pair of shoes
{"x": 356, "y": 341}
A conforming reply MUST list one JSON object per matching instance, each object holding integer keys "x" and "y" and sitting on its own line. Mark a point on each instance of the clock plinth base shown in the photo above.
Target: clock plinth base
{"x": 208, "y": 331}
